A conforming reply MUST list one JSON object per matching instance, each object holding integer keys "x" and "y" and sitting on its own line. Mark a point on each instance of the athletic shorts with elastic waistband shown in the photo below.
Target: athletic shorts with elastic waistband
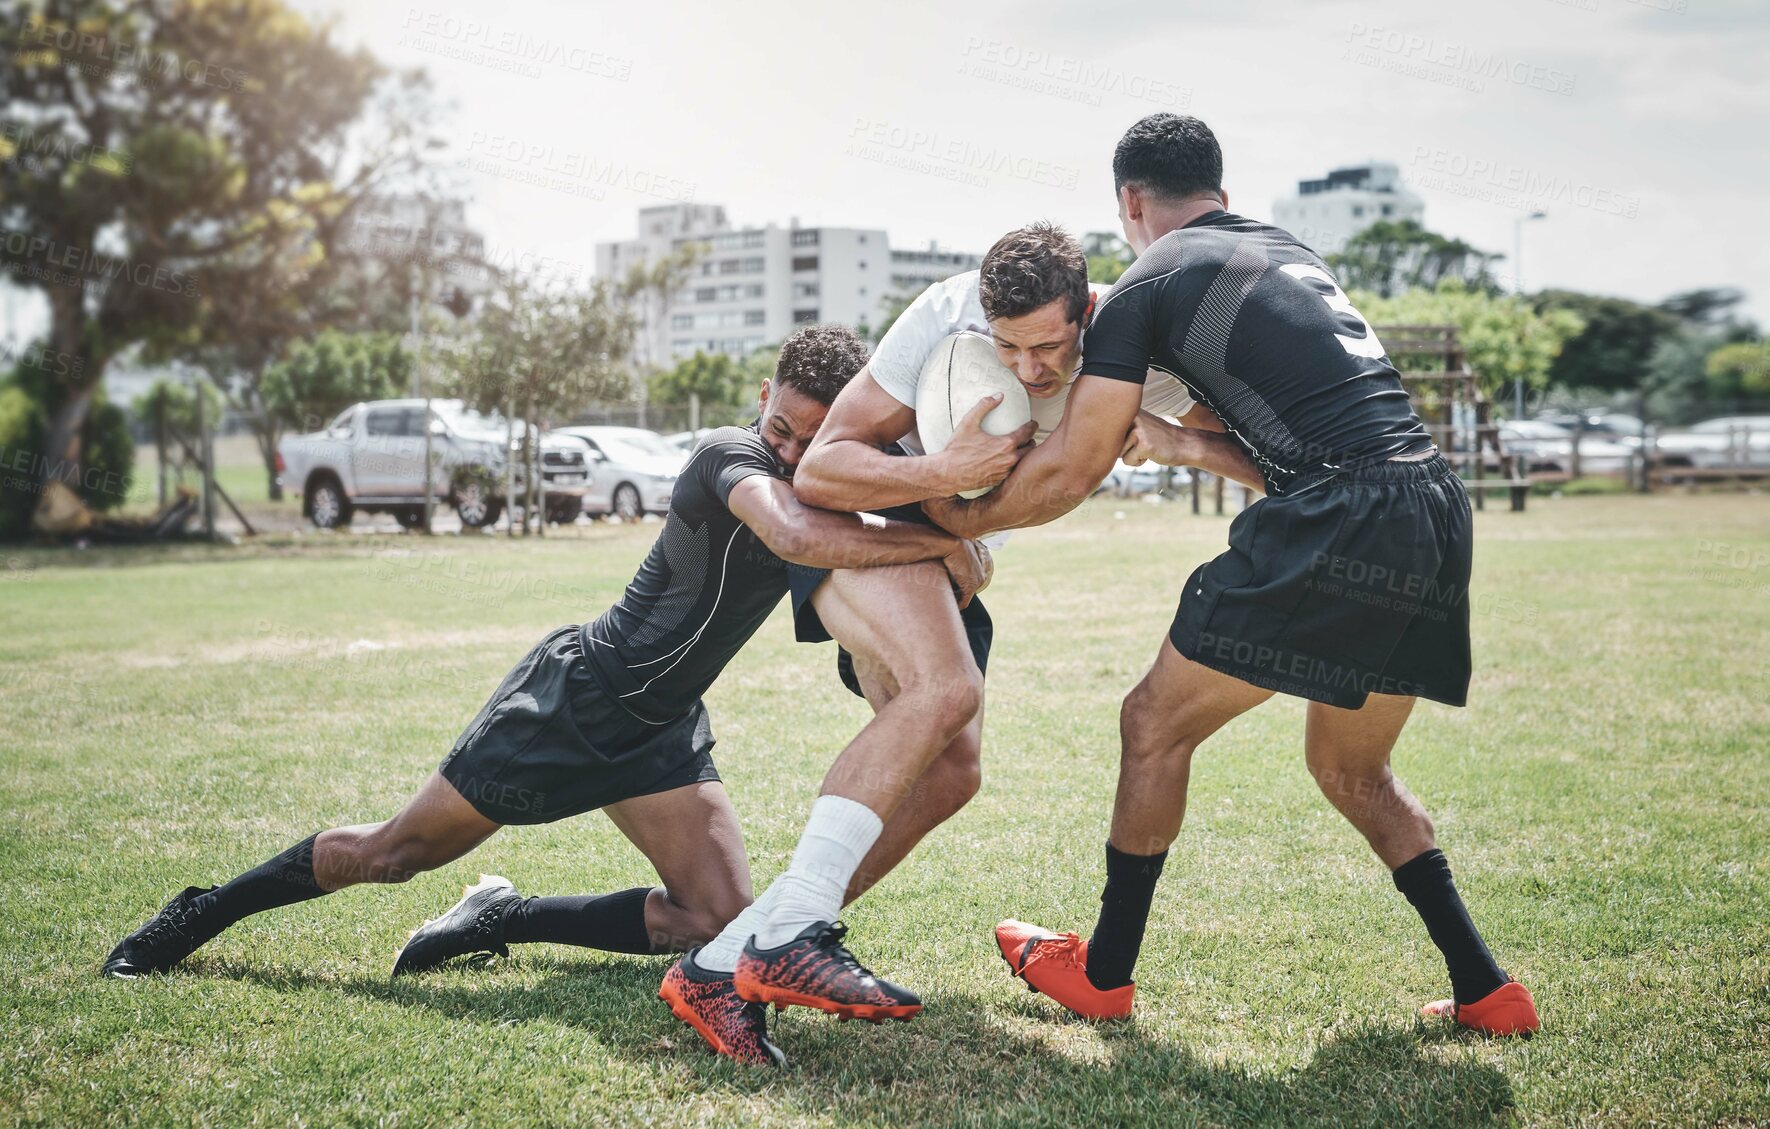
{"x": 1351, "y": 583}
{"x": 552, "y": 743}
{"x": 802, "y": 581}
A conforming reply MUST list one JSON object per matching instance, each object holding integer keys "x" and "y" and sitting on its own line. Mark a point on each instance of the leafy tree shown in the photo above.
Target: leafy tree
{"x": 169, "y": 144}
{"x": 1713, "y": 310}
{"x": 1392, "y": 256}
{"x": 539, "y": 353}
{"x": 1109, "y": 256}
{"x": 1505, "y": 338}
{"x": 1740, "y": 370}
{"x": 1612, "y": 353}
{"x": 722, "y": 384}
{"x": 322, "y": 377}
{"x": 893, "y": 306}
{"x": 1677, "y": 388}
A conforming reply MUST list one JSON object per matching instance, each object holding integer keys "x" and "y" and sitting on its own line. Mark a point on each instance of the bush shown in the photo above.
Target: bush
{"x": 107, "y": 458}
{"x": 21, "y": 423}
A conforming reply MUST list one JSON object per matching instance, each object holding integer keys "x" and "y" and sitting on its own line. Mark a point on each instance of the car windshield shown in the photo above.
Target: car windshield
{"x": 636, "y": 444}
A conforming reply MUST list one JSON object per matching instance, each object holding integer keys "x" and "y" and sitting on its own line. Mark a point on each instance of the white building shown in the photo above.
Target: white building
{"x": 754, "y": 285}
{"x": 1325, "y": 213}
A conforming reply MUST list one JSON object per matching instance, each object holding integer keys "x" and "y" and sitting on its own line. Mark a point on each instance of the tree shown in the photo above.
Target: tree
{"x": 1109, "y": 256}
{"x": 166, "y": 142}
{"x": 721, "y": 385}
{"x": 538, "y": 352}
{"x": 1505, "y": 339}
{"x": 647, "y": 291}
{"x": 322, "y": 377}
{"x": 1712, "y": 310}
{"x": 1613, "y": 352}
{"x": 1392, "y": 256}
{"x": 1739, "y": 371}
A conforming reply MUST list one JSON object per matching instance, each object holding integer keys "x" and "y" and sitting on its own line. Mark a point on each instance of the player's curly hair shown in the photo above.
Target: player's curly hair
{"x": 1031, "y": 267}
{"x": 1170, "y": 157}
{"x": 820, "y": 360}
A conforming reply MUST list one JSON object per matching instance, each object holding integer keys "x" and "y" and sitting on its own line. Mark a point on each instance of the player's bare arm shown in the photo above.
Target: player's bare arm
{"x": 1154, "y": 439}
{"x": 806, "y": 535}
{"x": 846, "y": 468}
{"x": 1059, "y": 473}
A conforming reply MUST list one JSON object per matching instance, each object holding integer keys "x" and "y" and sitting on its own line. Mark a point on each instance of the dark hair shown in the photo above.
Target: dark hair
{"x": 1169, "y": 156}
{"x": 819, "y": 360}
{"x": 1031, "y": 267}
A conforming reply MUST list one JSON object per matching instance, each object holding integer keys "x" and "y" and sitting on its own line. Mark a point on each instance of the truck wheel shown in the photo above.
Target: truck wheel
{"x": 409, "y": 517}
{"x": 327, "y": 506}
{"x": 475, "y": 506}
{"x": 626, "y": 502}
{"x": 565, "y": 512}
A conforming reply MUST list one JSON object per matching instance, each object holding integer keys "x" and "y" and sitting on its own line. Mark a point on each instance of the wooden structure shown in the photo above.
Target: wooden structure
{"x": 1447, "y": 394}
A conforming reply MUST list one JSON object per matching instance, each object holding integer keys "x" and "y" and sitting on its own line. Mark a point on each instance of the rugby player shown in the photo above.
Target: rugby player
{"x": 1255, "y": 325}
{"x": 909, "y": 649}
{"x": 608, "y": 715}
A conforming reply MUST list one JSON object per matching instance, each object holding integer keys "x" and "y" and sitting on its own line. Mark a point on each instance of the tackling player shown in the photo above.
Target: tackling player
{"x": 1347, "y": 585}
{"x": 608, "y": 715}
{"x": 915, "y": 655}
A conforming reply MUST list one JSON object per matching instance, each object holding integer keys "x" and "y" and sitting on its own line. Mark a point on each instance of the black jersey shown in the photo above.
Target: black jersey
{"x": 1256, "y": 327}
{"x": 703, "y": 590}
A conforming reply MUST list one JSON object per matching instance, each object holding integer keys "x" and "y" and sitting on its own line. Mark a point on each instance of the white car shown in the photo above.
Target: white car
{"x": 634, "y": 469}
{"x": 1548, "y": 448}
{"x": 1729, "y": 441}
{"x": 1127, "y": 481}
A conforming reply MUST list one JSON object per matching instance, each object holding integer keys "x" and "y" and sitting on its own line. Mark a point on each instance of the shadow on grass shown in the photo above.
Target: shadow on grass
{"x": 970, "y": 1059}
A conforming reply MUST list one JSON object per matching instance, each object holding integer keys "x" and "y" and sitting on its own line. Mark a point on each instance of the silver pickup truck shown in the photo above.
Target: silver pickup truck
{"x": 371, "y": 458}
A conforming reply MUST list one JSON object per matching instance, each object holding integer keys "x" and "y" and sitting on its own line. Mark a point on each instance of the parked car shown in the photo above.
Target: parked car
{"x": 371, "y": 458}
{"x": 1547, "y": 448}
{"x": 635, "y": 469}
{"x": 1727, "y": 441}
{"x": 1125, "y": 480}
{"x": 688, "y": 440}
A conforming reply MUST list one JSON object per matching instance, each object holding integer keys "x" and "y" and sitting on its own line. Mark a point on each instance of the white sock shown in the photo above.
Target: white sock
{"x": 838, "y": 835}
{"x": 721, "y": 953}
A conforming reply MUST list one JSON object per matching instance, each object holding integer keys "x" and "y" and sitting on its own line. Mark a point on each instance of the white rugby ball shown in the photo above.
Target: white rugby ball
{"x": 963, "y": 370}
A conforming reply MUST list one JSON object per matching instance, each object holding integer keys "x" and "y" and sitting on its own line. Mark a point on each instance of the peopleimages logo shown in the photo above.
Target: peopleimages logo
{"x": 89, "y": 266}
{"x": 1458, "y": 59}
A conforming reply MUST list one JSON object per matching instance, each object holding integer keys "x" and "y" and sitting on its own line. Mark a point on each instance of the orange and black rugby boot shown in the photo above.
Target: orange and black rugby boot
{"x": 1507, "y": 1010}
{"x": 815, "y": 970}
{"x": 1057, "y": 965}
{"x": 707, "y": 1002}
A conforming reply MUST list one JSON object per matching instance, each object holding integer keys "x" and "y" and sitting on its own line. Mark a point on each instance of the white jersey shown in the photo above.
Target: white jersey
{"x": 954, "y": 306}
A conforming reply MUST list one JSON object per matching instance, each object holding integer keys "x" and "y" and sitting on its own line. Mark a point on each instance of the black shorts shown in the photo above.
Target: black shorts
{"x": 802, "y": 581}
{"x": 551, "y": 743}
{"x": 1351, "y": 584}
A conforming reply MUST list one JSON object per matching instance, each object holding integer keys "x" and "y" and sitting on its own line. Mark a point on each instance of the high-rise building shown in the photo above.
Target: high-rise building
{"x": 755, "y": 284}
{"x": 1325, "y": 213}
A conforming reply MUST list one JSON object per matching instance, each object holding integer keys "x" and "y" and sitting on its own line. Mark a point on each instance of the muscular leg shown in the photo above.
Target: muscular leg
{"x": 436, "y": 826}
{"x": 692, "y": 837}
{"x": 943, "y": 788}
{"x": 901, "y": 623}
{"x": 1163, "y": 720}
{"x": 1348, "y": 754}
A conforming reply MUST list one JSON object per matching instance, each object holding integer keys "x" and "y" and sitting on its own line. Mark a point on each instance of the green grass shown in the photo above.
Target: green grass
{"x": 175, "y": 715}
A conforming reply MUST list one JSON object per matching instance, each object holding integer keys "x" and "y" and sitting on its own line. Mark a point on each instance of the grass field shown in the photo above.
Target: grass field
{"x": 173, "y": 716}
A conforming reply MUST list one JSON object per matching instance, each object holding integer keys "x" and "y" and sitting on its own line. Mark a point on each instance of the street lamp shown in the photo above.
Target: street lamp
{"x": 1518, "y": 288}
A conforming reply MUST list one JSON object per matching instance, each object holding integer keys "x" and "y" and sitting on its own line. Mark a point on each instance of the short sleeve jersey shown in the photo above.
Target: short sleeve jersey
{"x": 953, "y": 306}
{"x": 702, "y": 591}
{"x": 1255, "y": 325}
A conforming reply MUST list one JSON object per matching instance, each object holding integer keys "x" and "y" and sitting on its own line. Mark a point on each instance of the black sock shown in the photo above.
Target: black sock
{"x": 612, "y": 922}
{"x": 279, "y": 881}
{"x": 1427, "y": 884}
{"x": 1124, "y": 910}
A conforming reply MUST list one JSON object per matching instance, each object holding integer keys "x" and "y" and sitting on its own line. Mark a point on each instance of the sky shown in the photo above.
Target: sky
{"x": 1639, "y": 127}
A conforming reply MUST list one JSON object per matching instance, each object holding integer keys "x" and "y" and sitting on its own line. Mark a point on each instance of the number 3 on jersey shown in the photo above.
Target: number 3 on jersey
{"x": 1364, "y": 345}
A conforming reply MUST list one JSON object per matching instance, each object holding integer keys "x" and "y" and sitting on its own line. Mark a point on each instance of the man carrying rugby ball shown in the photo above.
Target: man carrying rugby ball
{"x": 906, "y": 643}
